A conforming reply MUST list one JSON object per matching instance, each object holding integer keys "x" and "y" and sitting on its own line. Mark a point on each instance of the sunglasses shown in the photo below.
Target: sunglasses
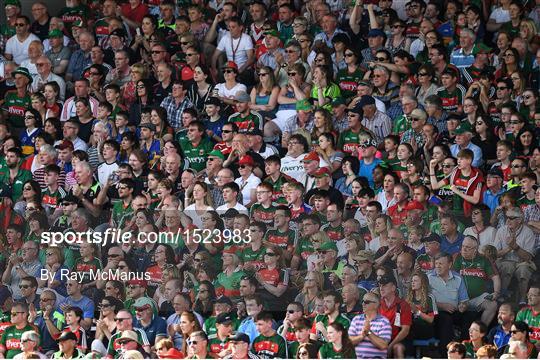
{"x": 124, "y": 342}
{"x": 157, "y": 51}
{"x": 422, "y": 74}
{"x": 290, "y": 74}
{"x": 20, "y": 24}
{"x": 226, "y": 131}
{"x": 120, "y": 319}
{"x": 141, "y": 309}
{"x": 192, "y": 342}
{"x": 367, "y": 302}
{"x": 291, "y": 311}
{"x": 479, "y": 123}
{"x": 349, "y": 54}
{"x": 415, "y": 119}
{"x": 15, "y": 313}
{"x": 514, "y": 332}
{"x": 303, "y": 353}
{"x": 289, "y": 51}
{"x": 24, "y": 286}
{"x": 113, "y": 255}
{"x": 513, "y": 122}
{"x": 262, "y": 74}
{"x": 228, "y": 71}
{"x": 502, "y": 88}
{"x": 185, "y": 42}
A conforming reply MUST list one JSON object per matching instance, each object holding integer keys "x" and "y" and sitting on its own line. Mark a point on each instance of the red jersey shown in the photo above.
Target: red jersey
{"x": 398, "y": 313}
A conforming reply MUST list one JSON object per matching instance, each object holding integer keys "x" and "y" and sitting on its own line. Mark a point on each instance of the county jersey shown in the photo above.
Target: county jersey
{"x": 341, "y": 319}
{"x": 285, "y": 240}
{"x": 349, "y": 142}
{"x": 452, "y": 100}
{"x": 229, "y": 285}
{"x": 270, "y": 347}
{"x": 258, "y": 212}
{"x": 16, "y": 107}
{"x": 328, "y": 351}
{"x": 476, "y": 273}
{"x": 198, "y": 154}
{"x": 253, "y": 258}
{"x": 248, "y": 123}
{"x": 532, "y": 318}
{"x": 277, "y": 193}
{"x": 11, "y": 339}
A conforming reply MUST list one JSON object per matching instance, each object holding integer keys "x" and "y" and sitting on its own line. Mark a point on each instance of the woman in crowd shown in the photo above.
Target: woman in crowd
{"x": 339, "y": 345}
{"x": 264, "y": 96}
{"x": 520, "y": 332}
{"x": 313, "y": 285}
{"x": 106, "y": 323}
{"x": 202, "y": 87}
{"x": 351, "y": 74}
{"x": 379, "y": 234}
{"x": 427, "y": 87}
{"x": 350, "y": 167}
{"x": 386, "y": 196}
{"x": 485, "y": 138}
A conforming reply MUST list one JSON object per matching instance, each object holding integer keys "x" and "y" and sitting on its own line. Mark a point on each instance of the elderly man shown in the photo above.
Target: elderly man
{"x": 415, "y": 135}
{"x": 80, "y": 59}
{"x": 370, "y": 332}
{"x": 383, "y": 88}
{"x": 86, "y": 189}
{"x": 515, "y": 243}
{"x": 17, "y": 100}
{"x": 10, "y": 343}
{"x": 463, "y": 56}
{"x": 450, "y": 293}
{"x": 477, "y": 271}
{"x": 17, "y": 45}
{"x": 45, "y": 75}
{"x": 403, "y": 123}
{"x": 374, "y": 120}
{"x": 275, "y": 55}
{"x": 464, "y": 134}
{"x": 329, "y": 30}
{"x": 124, "y": 322}
{"x": 19, "y": 267}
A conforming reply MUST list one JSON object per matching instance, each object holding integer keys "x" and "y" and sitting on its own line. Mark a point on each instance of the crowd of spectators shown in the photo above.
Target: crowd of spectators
{"x": 281, "y": 179}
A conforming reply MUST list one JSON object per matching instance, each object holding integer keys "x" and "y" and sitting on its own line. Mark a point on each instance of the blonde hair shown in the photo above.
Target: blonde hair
{"x": 531, "y": 28}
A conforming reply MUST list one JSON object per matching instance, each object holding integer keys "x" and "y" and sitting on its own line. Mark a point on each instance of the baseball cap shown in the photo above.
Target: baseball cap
{"x": 55, "y": 33}
{"x": 365, "y": 255}
{"x": 118, "y": 32}
{"x": 338, "y": 101}
{"x": 68, "y": 335}
{"x": 311, "y": 156}
{"x": 321, "y": 172}
{"x": 246, "y": 160}
{"x": 496, "y": 171}
{"x": 357, "y": 109}
{"x": 223, "y": 300}
{"x": 12, "y": 2}
{"x": 463, "y": 128}
{"x": 329, "y": 245}
{"x": 78, "y": 23}
{"x": 375, "y": 33}
{"x": 142, "y": 283}
{"x": 387, "y": 279}
{"x": 366, "y": 100}
{"x": 224, "y": 318}
{"x": 217, "y": 153}
{"x": 142, "y": 302}
{"x": 213, "y": 101}
{"x": 128, "y": 335}
{"x": 304, "y": 105}
{"x": 255, "y": 132}
{"x": 65, "y": 144}
{"x": 272, "y": 32}
{"x": 231, "y": 65}
{"x": 242, "y": 97}
{"x": 239, "y": 336}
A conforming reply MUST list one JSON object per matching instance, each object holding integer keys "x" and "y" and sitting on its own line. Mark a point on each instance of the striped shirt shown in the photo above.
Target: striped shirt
{"x": 380, "y": 125}
{"x": 380, "y": 326}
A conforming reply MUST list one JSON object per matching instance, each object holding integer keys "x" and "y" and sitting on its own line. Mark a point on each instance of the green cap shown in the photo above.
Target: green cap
{"x": 329, "y": 245}
{"x": 78, "y": 23}
{"x": 338, "y": 101}
{"x": 22, "y": 71}
{"x": 272, "y": 32}
{"x": 217, "y": 154}
{"x": 304, "y": 105}
{"x": 55, "y": 33}
{"x": 481, "y": 48}
{"x": 464, "y": 127}
{"x": 12, "y": 2}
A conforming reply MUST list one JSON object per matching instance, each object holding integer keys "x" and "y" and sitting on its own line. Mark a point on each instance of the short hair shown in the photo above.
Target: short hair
{"x": 52, "y": 168}
{"x": 264, "y": 316}
{"x": 465, "y": 154}
{"x": 232, "y": 186}
{"x": 112, "y": 143}
{"x": 32, "y": 280}
{"x": 285, "y": 209}
{"x": 273, "y": 159}
{"x": 336, "y": 295}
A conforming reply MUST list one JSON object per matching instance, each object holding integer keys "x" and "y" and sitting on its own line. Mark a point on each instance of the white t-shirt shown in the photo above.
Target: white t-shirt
{"x": 293, "y": 166}
{"x": 500, "y": 15}
{"x": 230, "y": 93}
{"x": 223, "y": 208}
{"x": 236, "y": 49}
{"x": 192, "y": 213}
{"x": 18, "y": 49}
{"x": 246, "y": 186}
{"x": 105, "y": 170}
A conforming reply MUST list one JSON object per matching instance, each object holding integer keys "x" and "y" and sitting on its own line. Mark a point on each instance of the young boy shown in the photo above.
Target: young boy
{"x": 104, "y": 111}
{"x": 53, "y": 194}
{"x": 263, "y": 210}
{"x": 466, "y": 183}
{"x": 528, "y": 190}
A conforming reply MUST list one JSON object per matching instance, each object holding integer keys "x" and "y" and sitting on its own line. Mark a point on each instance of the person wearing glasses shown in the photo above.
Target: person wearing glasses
{"x": 106, "y": 324}
{"x": 129, "y": 342}
{"x": 456, "y": 350}
{"x": 45, "y": 75}
{"x": 124, "y": 322}
{"x": 154, "y": 326}
{"x": 10, "y": 342}
{"x": 197, "y": 346}
{"x": 30, "y": 343}
{"x": 520, "y": 334}
{"x": 370, "y": 332}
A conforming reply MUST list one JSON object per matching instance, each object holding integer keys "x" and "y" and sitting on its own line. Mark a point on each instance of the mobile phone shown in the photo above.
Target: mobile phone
{"x": 138, "y": 31}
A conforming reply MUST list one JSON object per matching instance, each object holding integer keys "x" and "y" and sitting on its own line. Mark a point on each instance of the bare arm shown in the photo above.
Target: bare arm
{"x": 356, "y": 17}
{"x": 61, "y": 68}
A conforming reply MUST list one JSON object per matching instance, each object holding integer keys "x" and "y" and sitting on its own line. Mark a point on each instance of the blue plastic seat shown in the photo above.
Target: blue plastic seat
{"x": 419, "y": 344}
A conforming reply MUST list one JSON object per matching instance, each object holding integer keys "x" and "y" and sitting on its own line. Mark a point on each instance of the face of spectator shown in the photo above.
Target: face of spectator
{"x": 380, "y": 78}
{"x": 21, "y": 26}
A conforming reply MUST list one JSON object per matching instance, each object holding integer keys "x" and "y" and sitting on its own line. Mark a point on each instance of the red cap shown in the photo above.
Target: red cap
{"x": 414, "y": 205}
{"x": 229, "y": 250}
{"x": 65, "y": 144}
{"x": 312, "y": 156}
{"x": 321, "y": 172}
{"x": 142, "y": 283}
{"x": 246, "y": 160}
{"x": 231, "y": 65}
{"x": 172, "y": 353}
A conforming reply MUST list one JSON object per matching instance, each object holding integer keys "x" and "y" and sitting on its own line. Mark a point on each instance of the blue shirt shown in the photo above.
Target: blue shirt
{"x": 157, "y": 327}
{"x": 248, "y": 327}
{"x": 492, "y": 200}
{"x": 83, "y": 303}
{"x": 461, "y": 60}
{"x": 477, "y": 159}
{"x": 77, "y": 63}
{"x": 499, "y": 337}
{"x": 451, "y": 248}
{"x": 367, "y": 170}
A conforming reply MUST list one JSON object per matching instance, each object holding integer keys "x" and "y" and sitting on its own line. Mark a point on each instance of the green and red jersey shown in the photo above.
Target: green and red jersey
{"x": 216, "y": 345}
{"x": 16, "y": 107}
{"x": 270, "y": 347}
{"x": 341, "y": 319}
{"x": 277, "y": 193}
{"x": 229, "y": 285}
{"x": 87, "y": 269}
{"x": 258, "y": 212}
{"x": 11, "y": 339}
{"x": 532, "y": 318}
{"x": 328, "y": 351}
{"x": 197, "y": 154}
{"x": 334, "y": 233}
{"x": 285, "y": 240}
{"x": 247, "y": 123}
{"x": 349, "y": 142}
{"x": 452, "y": 100}
{"x": 253, "y": 258}
{"x": 475, "y": 273}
